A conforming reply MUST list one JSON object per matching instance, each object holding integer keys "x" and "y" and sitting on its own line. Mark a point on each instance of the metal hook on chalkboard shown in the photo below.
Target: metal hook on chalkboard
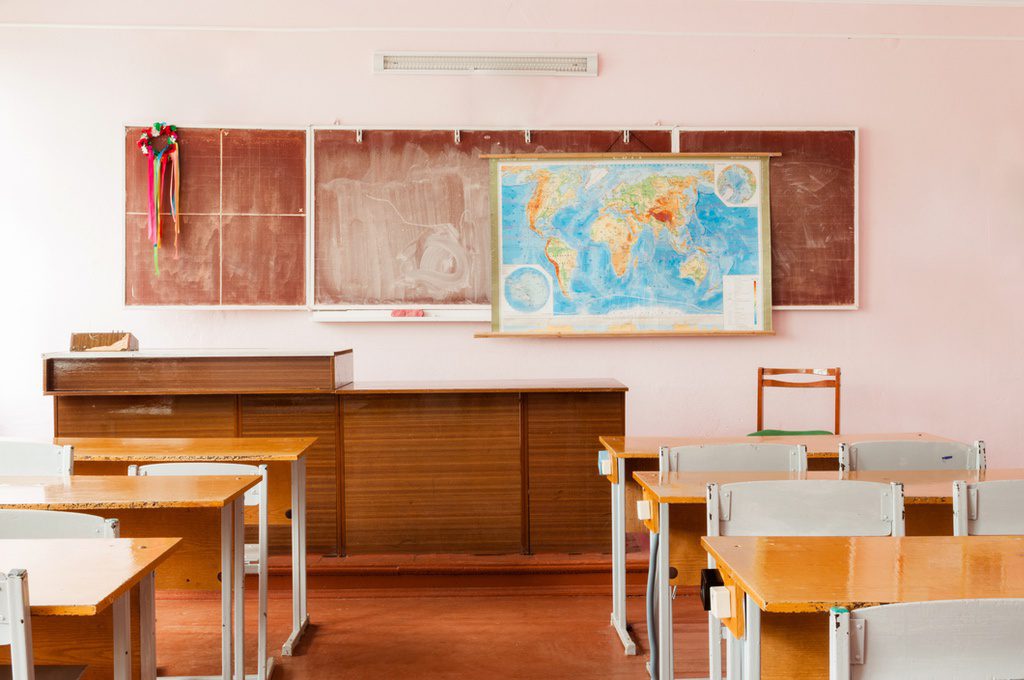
{"x": 458, "y": 136}
{"x": 359, "y": 136}
{"x": 625, "y": 136}
{"x": 527, "y": 135}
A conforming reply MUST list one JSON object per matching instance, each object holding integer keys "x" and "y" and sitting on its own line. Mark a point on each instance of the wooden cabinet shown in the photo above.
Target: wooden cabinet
{"x": 471, "y": 466}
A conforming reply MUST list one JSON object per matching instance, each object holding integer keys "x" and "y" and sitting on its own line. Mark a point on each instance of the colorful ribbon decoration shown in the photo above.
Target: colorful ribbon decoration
{"x": 155, "y": 173}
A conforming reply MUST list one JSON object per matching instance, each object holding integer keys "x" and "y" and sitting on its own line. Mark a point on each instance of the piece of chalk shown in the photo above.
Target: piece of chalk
{"x": 407, "y": 312}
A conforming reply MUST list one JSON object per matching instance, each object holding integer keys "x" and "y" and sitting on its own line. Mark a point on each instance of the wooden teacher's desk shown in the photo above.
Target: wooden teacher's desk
{"x": 625, "y": 455}
{"x": 204, "y": 512}
{"x": 479, "y": 466}
{"x": 788, "y": 586}
{"x": 79, "y": 592}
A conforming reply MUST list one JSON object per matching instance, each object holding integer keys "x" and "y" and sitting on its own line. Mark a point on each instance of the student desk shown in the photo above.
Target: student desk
{"x": 630, "y": 453}
{"x": 789, "y": 585}
{"x": 206, "y": 512}
{"x": 680, "y": 518}
{"x": 79, "y": 596}
{"x": 285, "y": 457}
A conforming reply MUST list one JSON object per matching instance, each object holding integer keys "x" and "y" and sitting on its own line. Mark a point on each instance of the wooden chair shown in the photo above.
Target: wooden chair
{"x": 734, "y": 457}
{"x": 719, "y": 457}
{"x": 829, "y": 380}
{"x": 988, "y": 508}
{"x": 911, "y": 455}
{"x": 16, "y": 633}
{"x": 255, "y": 554}
{"x": 817, "y": 507}
{"x": 55, "y": 524}
{"x": 26, "y": 458}
{"x": 939, "y": 640}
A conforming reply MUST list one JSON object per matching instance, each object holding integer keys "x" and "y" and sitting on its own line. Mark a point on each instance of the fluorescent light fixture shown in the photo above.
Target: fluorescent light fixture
{"x": 486, "y": 63}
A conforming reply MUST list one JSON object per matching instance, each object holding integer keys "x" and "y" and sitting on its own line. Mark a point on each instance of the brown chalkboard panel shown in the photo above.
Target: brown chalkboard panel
{"x": 243, "y": 221}
{"x": 403, "y": 216}
{"x": 813, "y": 207}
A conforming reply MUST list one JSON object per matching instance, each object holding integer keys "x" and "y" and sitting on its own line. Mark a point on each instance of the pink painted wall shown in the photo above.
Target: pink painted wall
{"x": 935, "y": 90}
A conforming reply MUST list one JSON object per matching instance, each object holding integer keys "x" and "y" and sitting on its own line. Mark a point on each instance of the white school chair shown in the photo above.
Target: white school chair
{"x": 740, "y": 457}
{"x": 940, "y": 640}
{"x": 819, "y": 507}
{"x": 911, "y": 455}
{"x": 988, "y": 508}
{"x": 737, "y": 458}
{"x": 55, "y": 524}
{"x": 16, "y": 633}
{"x": 255, "y": 554}
{"x": 26, "y": 458}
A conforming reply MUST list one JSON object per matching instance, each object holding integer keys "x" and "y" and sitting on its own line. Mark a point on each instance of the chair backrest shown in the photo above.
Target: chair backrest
{"x": 27, "y": 458}
{"x": 252, "y": 496}
{"x": 55, "y": 524}
{"x": 939, "y": 640}
{"x": 768, "y": 377}
{"x": 988, "y": 508}
{"x": 16, "y": 623}
{"x": 735, "y": 457}
{"x": 911, "y": 455}
{"x": 805, "y": 507}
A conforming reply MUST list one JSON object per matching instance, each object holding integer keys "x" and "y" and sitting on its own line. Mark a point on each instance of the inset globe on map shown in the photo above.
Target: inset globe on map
{"x": 736, "y": 184}
{"x": 527, "y": 290}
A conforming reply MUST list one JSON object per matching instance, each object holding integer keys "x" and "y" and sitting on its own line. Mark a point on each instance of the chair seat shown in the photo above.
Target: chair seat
{"x": 49, "y": 672}
{"x": 786, "y": 433}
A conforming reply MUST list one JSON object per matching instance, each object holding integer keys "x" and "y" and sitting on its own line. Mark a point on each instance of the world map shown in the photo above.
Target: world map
{"x": 621, "y": 246}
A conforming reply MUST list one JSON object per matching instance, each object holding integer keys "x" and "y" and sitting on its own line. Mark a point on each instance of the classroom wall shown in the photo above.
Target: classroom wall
{"x": 935, "y": 91}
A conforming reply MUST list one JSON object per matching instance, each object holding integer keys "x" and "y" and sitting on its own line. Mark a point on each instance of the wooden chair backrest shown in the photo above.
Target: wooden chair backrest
{"x": 938, "y": 639}
{"x": 767, "y": 377}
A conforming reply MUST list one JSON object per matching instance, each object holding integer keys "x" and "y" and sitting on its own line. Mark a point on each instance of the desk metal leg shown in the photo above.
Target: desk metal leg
{"x": 751, "y": 640}
{"x": 123, "y": 637}
{"x": 734, "y": 656}
{"x": 300, "y": 617}
{"x": 239, "y": 588}
{"x": 619, "y": 559}
{"x": 665, "y": 666}
{"x": 147, "y": 626}
{"x": 263, "y": 669}
{"x": 227, "y": 520}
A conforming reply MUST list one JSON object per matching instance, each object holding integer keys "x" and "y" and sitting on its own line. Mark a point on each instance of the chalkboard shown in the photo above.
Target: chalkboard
{"x": 813, "y": 206}
{"x": 402, "y": 217}
{"x": 243, "y": 221}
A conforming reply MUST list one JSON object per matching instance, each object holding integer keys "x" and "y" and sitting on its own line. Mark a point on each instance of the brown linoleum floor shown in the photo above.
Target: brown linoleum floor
{"x": 426, "y": 634}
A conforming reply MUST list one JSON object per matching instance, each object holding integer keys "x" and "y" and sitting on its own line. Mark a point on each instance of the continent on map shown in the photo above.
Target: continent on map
{"x": 736, "y": 184}
{"x": 554, "y": 191}
{"x": 695, "y": 268}
{"x": 526, "y": 290}
{"x": 563, "y": 258}
{"x": 618, "y": 236}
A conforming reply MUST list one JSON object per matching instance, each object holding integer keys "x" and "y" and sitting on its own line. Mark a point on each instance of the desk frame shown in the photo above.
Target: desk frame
{"x": 297, "y": 466}
{"x": 618, "y": 458}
